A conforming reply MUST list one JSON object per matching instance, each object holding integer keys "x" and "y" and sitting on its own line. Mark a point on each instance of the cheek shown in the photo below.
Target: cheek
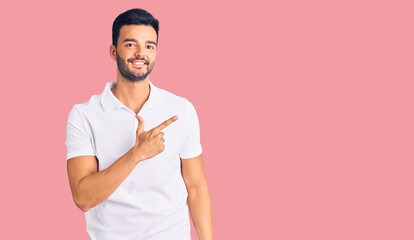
{"x": 153, "y": 56}
{"x": 125, "y": 53}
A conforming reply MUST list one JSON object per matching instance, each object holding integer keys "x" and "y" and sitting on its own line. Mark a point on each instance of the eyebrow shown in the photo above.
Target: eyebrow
{"x": 152, "y": 42}
{"x": 134, "y": 40}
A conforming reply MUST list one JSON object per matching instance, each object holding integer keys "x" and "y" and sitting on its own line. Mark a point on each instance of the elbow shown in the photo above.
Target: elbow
{"x": 83, "y": 208}
{"x": 82, "y": 205}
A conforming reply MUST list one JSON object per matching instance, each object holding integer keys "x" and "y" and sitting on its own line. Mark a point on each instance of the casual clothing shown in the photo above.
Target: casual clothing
{"x": 151, "y": 202}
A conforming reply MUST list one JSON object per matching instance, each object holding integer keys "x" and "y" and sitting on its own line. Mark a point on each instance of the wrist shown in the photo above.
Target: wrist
{"x": 135, "y": 155}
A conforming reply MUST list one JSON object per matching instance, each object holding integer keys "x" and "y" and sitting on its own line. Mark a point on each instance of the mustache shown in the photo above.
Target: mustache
{"x": 134, "y": 59}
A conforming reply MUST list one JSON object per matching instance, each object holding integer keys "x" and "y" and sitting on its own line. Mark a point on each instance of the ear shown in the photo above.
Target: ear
{"x": 112, "y": 52}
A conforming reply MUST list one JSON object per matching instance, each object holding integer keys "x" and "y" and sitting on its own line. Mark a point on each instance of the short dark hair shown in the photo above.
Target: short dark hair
{"x": 134, "y": 16}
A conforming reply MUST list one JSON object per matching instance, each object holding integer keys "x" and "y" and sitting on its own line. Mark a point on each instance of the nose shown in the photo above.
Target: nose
{"x": 139, "y": 52}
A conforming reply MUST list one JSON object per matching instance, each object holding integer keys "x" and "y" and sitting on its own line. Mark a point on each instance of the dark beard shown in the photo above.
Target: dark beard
{"x": 128, "y": 75}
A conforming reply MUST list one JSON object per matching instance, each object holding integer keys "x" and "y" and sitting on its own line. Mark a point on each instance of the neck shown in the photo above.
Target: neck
{"x": 132, "y": 94}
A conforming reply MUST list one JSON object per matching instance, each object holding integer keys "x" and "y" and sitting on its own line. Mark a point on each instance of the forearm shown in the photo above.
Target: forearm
{"x": 96, "y": 188}
{"x": 199, "y": 203}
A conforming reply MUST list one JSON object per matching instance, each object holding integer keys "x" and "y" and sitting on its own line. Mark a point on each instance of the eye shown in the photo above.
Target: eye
{"x": 150, "y": 47}
{"x": 130, "y": 45}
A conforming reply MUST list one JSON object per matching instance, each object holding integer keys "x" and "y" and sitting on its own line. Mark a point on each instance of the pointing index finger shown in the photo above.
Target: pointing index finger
{"x": 165, "y": 123}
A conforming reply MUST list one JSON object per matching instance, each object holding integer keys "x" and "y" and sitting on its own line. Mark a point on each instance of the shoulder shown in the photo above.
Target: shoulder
{"x": 175, "y": 100}
{"x": 85, "y": 108}
{"x": 181, "y": 105}
{"x": 81, "y": 113}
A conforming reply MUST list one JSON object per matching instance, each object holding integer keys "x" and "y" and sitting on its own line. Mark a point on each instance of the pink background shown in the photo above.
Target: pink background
{"x": 305, "y": 107}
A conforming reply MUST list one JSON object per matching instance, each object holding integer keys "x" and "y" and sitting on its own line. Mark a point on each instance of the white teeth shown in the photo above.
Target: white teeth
{"x": 138, "y": 63}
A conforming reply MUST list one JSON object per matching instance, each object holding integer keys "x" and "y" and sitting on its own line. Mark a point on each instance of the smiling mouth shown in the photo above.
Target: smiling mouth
{"x": 137, "y": 62}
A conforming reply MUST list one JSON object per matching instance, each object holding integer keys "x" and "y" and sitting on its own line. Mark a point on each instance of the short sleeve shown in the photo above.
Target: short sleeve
{"x": 191, "y": 146}
{"x": 78, "y": 142}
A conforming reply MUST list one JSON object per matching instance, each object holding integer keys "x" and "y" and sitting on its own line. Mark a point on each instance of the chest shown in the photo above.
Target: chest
{"x": 115, "y": 134}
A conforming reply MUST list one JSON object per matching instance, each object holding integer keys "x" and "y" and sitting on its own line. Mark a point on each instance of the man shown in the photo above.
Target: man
{"x": 134, "y": 152}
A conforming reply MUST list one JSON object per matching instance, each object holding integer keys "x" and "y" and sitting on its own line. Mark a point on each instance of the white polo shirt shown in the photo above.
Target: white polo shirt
{"x": 151, "y": 202}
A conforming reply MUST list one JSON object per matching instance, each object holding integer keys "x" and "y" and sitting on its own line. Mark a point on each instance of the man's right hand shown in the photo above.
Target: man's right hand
{"x": 150, "y": 143}
{"x": 91, "y": 187}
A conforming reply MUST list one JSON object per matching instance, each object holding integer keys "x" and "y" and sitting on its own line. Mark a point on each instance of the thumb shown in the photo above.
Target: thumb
{"x": 140, "y": 128}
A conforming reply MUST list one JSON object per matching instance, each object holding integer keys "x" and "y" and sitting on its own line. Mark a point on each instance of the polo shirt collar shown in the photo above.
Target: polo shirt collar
{"x": 110, "y": 102}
